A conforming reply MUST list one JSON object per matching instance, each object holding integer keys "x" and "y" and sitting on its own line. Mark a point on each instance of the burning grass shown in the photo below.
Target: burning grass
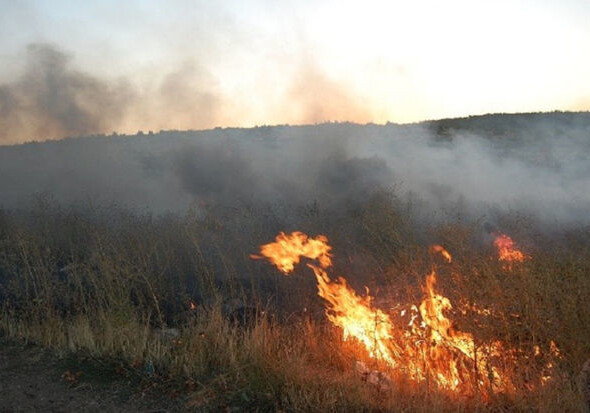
{"x": 427, "y": 348}
{"x": 447, "y": 327}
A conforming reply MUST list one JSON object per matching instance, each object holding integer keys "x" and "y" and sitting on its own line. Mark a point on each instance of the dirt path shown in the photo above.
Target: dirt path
{"x": 32, "y": 379}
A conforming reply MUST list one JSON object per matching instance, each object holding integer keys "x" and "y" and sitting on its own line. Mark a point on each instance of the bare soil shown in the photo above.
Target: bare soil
{"x": 36, "y": 379}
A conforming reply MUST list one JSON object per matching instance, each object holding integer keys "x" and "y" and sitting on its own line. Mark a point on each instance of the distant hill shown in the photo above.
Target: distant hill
{"x": 500, "y": 125}
{"x": 532, "y": 161}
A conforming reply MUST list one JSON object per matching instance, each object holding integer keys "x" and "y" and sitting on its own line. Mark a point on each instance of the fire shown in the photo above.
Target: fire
{"x": 427, "y": 347}
{"x": 447, "y": 343}
{"x": 353, "y": 313}
{"x": 442, "y": 251}
{"x": 287, "y": 251}
{"x": 507, "y": 251}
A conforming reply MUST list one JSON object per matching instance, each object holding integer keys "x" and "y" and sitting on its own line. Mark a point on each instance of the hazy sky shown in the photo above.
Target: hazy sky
{"x": 198, "y": 64}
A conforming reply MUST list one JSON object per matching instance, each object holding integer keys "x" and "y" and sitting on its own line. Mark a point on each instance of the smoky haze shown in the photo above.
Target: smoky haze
{"x": 50, "y": 99}
{"x": 47, "y": 97}
{"x": 538, "y": 164}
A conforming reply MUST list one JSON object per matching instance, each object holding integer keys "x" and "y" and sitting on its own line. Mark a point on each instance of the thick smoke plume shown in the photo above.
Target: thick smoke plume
{"x": 537, "y": 164}
{"x": 51, "y": 99}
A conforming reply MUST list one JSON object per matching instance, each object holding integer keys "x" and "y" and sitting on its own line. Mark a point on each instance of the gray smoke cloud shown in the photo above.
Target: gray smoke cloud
{"x": 50, "y": 99}
{"x": 538, "y": 164}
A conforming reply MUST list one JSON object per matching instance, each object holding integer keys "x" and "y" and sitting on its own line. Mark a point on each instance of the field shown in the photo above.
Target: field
{"x": 301, "y": 206}
{"x": 178, "y": 300}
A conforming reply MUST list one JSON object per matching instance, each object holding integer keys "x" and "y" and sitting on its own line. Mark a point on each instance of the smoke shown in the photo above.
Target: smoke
{"x": 315, "y": 98}
{"x": 535, "y": 164}
{"x": 212, "y": 172}
{"x": 52, "y": 100}
{"x": 49, "y": 98}
{"x": 187, "y": 98}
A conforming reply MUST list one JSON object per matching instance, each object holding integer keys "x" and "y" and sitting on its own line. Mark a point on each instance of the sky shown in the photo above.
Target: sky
{"x": 139, "y": 65}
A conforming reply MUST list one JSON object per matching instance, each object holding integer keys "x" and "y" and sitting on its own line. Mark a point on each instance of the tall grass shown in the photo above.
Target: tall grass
{"x": 108, "y": 282}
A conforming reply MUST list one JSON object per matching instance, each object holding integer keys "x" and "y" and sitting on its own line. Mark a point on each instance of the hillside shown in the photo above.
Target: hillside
{"x": 534, "y": 162}
{"x": 440, "y": 266}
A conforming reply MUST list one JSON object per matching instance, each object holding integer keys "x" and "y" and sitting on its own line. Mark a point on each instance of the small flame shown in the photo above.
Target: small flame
{"x": 192, "y": 306}
{"x": 507, "y": 251}
{"x": 438, "y": 249}
{"x": 287, "y": 250}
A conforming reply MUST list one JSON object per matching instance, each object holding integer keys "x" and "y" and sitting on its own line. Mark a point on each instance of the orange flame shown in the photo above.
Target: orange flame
{"x": 507, "y": 250}
{"x": 287, "y": 250}
{"x": 437, "y": 248}
{"x": 353, "y": 313}
{"x": 447, "y": 343}
{"x": 428, "y": 347}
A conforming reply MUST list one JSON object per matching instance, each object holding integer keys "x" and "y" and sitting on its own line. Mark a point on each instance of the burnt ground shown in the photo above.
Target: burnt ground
{"x": 36, "y": 379}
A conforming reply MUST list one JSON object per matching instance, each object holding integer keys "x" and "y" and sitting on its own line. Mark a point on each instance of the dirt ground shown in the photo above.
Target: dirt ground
{"x": 34, "y": 379}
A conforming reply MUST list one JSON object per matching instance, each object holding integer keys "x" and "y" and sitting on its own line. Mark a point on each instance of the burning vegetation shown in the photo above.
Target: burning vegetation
{"x": 508, "y": 253}
{"x": 173, "y": 299}
{"x": 428, "y": 347}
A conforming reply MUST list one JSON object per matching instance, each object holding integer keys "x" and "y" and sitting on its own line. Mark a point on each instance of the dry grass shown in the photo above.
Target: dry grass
{"x": 103, "y": 283}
